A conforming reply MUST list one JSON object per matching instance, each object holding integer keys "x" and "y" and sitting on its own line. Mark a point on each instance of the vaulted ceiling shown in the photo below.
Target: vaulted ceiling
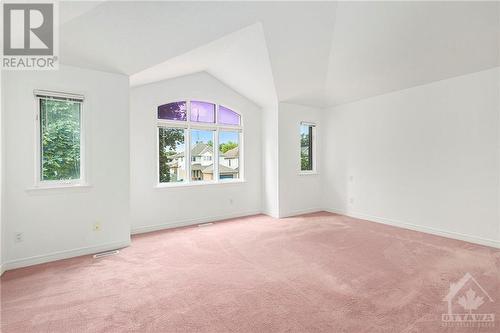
{"x": 313, "y": 53}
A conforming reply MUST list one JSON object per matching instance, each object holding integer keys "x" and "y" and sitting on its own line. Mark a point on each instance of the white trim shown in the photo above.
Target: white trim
{"x": 171, "y": 124}
{"x": 58, "y": 185}
{"x": 241, "y": 157}
{"x": 200, "y": 183}
{"x": 189, "y": 222}
{"x": 58, "y": 94}
{"x": 411, "y": 226}
{"x": 300, "y": 212}
{"x": 1, "y": 270}
{"x": 40, "y": 259}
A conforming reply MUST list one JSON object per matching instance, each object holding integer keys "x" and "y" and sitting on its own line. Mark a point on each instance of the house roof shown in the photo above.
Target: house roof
{"x": 232, "y": 153}
{"x": 200, "y": 148}
{"x": 222, "y": 169}
{"x": 197, "y": 150}
{"x": 196, "y": 167}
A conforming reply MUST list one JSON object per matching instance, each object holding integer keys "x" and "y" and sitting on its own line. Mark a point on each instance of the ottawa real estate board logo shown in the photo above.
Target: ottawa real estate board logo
{"x": 468, "y": 304}
{"x": 30, "y": 35}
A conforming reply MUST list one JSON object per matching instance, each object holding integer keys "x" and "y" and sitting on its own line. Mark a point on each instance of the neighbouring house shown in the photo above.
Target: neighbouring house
{"x": 202, "y": 163}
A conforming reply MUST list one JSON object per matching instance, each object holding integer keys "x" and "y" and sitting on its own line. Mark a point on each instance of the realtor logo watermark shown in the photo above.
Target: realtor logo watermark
{"x": 469, "y": 305}
{"x": 30, "y": 37}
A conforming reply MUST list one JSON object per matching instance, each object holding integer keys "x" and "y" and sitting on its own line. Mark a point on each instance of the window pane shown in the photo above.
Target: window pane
{"x": 306, "y": 148}
{"x": 228, "y": 116}
{"x": 60, "y": 139}
{"x": 171, "y": 155}
{"x": 229, "y": 155}
{"x": 202, "y": 112}
{"x": 173, "y": 111}
{"x": 202, "y": 153}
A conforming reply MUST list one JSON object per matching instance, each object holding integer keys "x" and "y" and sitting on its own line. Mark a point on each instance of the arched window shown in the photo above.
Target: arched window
{"x": 198, "y": 142}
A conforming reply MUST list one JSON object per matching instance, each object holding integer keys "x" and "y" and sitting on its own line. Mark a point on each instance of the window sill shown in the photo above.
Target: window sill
{"x": 201, "y": 183}
{"x": 308, "y": 173}
{"x": 62, "y": 186}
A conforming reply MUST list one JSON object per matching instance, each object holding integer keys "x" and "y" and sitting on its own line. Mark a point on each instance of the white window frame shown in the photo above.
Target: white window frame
{"x": 314, "y": 150}
{"x": 189, "y": 125}
{"x": 39, "y": 182}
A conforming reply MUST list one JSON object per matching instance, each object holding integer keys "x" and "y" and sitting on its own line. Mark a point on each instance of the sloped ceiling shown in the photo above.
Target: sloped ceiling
{"x": 312, "y": 53}
{"x": 239, "y": 59}
{"x": 383, "y": 47}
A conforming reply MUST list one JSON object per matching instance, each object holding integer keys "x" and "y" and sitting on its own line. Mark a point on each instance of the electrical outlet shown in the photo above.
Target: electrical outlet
{"x": 231, "y": 201}
{"x": 18, "y": 237}
{"x": 97, "y": 227}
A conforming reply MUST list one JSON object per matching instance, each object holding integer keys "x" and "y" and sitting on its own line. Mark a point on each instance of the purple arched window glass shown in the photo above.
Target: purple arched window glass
{"x": 228, "y": 116}
{"x": 202, "y": 112}
{"x": 173, "y": 111}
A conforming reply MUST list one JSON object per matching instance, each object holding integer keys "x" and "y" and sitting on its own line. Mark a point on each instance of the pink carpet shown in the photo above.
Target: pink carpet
{"x": 315, "y": 273}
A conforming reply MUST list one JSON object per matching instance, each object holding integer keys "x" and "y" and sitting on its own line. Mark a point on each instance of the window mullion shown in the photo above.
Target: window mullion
{"x": 187, "y": 140}
{"x": 161, "y": 123}
{"x": 241, "y": 162}
{"x": 187, "y": 153}
{"x": 216, "y": 156}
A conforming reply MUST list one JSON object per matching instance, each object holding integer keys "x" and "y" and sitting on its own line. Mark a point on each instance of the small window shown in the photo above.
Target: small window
{"x": 60, "y": 138}
{"x": 202, "y": 112}
{"x": 229, "y": 152}
{"x": 171, "y": 155}
{"x": 307, "y": 136}
{"x": 228, "y": 116}
{"x": 173, "y": 111}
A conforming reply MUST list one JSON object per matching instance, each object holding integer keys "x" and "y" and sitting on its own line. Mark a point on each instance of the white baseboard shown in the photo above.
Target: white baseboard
{"x": 415, "y": 227}
{"x": 1, "y": 270}
{"x": 18, "y": 263}
{"x": 188, "y": 222}
{"x": 271, "y": 214}
{"x": 300, "y": 212}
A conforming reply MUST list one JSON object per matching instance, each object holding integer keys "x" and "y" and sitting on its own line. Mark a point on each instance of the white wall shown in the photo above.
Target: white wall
{"x": 1, "y": 178}
{"x": 270, "y": 161}
{"x": 155, "y": 208}
{"x": 299, "y": 193}
{"x": 426, "y": 158}
{"x": 58, "y": 223}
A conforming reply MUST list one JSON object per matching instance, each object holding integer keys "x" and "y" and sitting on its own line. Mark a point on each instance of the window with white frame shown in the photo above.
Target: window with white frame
{"x": 307, "y": 147}
{"x": 192, "y": 137}
{"x": 59, "y": 133}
